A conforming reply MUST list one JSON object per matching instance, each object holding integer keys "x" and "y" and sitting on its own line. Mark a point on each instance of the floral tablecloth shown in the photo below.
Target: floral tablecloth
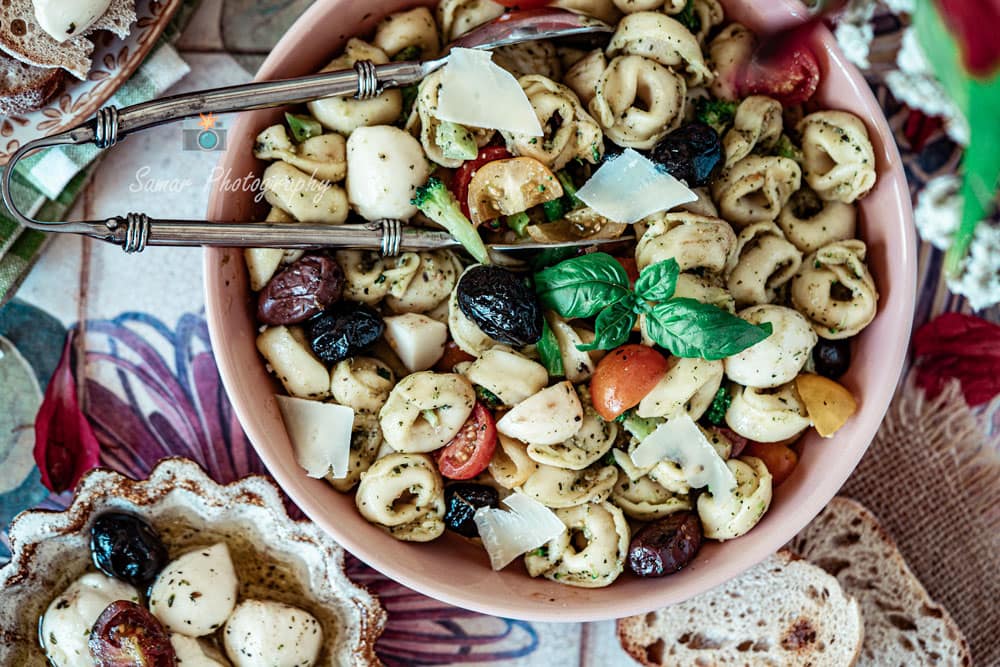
{"x": 148, "y": 381}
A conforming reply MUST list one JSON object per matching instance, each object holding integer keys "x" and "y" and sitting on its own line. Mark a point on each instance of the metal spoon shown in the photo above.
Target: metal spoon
{"x": 136, "y": 230}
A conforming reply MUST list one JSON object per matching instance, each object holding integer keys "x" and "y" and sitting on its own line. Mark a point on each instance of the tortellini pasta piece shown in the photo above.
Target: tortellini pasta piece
{"x": 590, "y": 553}
{"x": 385, "y": 167}
{"x": 569, "y": 131}
{"x": 778, "y": 358}
{"x": 834, "y": 289}
{"x": 366, "y": 440}
{"x": 303, "y": 197}
{"x": 538, "y": 58}
{"x": 726, "y": 517}
{"x": 457, "y": 17}
{"x": 633, "y": 6}
{"x": 583, "y": 76}
{"x": 511, "y": 466}
{"x": 709, "y": 13}
{"x": 689, "y": 384}
{"x": 551, "y": 416}
{"x": 413, "y": 28}
{"x": 695, "y": 241}
{"x": 637, "y": 101}
{"x": 364, "y": 281}
{"x": 756, "y": 188}
{"x": 604, "y": 10}
{"x": 423, "y": 122}
{"x": 704, "y": 289}
{"x": 466, "y": 333}
{"x": 757, "y": 124}
{"x": 703, "y": 205}
{"x": 578, "y": 365}
{"x": 323, "y": 157}
{"x": 361, "y": 383}
{"x": 404, "y": 494}
{"x": 766, "y": 415}
{"x": 590, "y": 443}
{"x": 426, "y": 410}
{"x": 811, "y": 223}
{"x": 510, "y": 376}
{"x": 561, "y": 487}
{"x": 838, "y": 159}
{"x": 290, "y": 358}
{"x": 658, "y": 37}
{"x": 645, "y": 500}
{"x": 421, "y": 281}
{"x": 346, "y": 114}
{"x": 728, "y": 54}
{"x": 764, "y": 261}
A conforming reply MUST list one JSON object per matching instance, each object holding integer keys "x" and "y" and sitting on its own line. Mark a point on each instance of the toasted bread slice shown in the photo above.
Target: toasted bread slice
{"x": 903, "y": 626}
{"x": 784, "y": 612}
{"x": 25, "y": 87}
{"x": 22, "y": 38}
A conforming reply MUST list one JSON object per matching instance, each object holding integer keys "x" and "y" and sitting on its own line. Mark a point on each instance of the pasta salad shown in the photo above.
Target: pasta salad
{"x": 586, "y": 411}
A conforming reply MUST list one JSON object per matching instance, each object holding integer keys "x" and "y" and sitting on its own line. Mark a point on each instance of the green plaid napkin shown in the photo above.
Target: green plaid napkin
{"x": 46, "y": 184}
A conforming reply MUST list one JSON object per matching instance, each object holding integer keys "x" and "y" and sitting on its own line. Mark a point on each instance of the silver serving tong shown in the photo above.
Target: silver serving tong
{"x": 134, "y": 231}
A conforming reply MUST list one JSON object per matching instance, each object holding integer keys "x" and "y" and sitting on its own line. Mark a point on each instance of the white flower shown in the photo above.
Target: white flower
{"x": 980, "y": 280}
{"x": 854, "y": 31}
{"x": 939, "y": 210}
{"x": 899, "y": 6}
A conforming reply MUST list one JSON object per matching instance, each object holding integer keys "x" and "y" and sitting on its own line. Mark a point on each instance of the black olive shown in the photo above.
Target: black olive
{"x": 501, "y": 305}
{"x": 832, "y": 357}
{"x": 344, "y": 330}
{"x": 664, "y": 547}
{"x": 691, "y": 153}
{"x": 125, "y": 547}
{"x": 462, "y": 501}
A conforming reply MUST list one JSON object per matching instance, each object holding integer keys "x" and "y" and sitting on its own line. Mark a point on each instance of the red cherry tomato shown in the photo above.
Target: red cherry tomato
{"x": 470, "y": 451}
{"x": 624, "y": 377}
{"x": 631, "y": 269}
{"x": 789, "y": 76}
{"x": 126, "y": 634}
{"x": 523, "y": 4}
{"x": 779, "y": 458}
{"x": 453, "y": 355}
{"x": 463, "y": 175}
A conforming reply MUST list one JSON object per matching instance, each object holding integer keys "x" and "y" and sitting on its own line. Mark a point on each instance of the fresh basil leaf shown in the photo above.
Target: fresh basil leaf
{"x": 612, "y": 327}
{"x": 689, "y": 328}
{"x": 582, "y": 286}
{"x": 548, "y": 351}
{"x": 551, "y": 256}
{"x": 657, "y": 282}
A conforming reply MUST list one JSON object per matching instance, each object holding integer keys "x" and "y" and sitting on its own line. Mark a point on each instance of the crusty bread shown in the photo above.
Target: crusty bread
{"x": 903, "y": 626}
{"x": 25, "y": 87}
{"x": 784, "y": 612}
{"x": 22, "y": 38}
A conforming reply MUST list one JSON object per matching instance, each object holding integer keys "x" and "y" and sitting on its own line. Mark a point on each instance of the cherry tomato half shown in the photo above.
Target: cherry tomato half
{"x": 624, "y": 377}
{"x": 779, "y": 458}
{"x": 631, "y": 269}
{"x": 453, "y": 355}
{"x": 789, "y": 76}
{"x": 463, "y": 175}
{"x": 470, "y": 451}
{"x": 126, "y": 634}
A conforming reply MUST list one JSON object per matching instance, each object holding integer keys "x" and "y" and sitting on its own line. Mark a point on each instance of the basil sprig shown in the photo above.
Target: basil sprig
{"x": 596, "y": 284}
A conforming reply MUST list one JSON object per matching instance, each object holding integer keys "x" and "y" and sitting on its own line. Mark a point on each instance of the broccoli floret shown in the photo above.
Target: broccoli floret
{"x": 717, "y": 411}
{"x": 303, "y": 127}
{"x": 638, "y": 426}
{"x": 518, "y": 223}
{"x": 487, "y": 397}
{"x": 785, "y": 148}
{"x": 455, "y": 141}
{"x": 717, "y": 113}
{"x": 436, "y": 202}
{"x": 411, "y": 52}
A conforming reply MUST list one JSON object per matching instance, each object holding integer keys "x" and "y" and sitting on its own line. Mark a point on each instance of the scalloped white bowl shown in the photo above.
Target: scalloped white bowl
{"x": 303, "y": 566}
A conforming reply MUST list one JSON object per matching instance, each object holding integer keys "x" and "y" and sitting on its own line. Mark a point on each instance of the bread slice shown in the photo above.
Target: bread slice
{"x": 784, "y": 612}
{"x": 22, "y": 38}
{"x": 25, "y": 87}
{"x": 903, "y": 626}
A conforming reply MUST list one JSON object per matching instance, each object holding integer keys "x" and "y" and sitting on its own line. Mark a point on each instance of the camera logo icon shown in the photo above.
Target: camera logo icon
{"x": 209, "y": 135}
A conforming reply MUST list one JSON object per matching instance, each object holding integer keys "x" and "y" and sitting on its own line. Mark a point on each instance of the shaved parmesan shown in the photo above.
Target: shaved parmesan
{"x": 680, "y": 440}
{"x": 506, "y": 535}
{"x": 320, "y": 435}
{"x": 477, "y": 93}
{"x": 629, "y": 187}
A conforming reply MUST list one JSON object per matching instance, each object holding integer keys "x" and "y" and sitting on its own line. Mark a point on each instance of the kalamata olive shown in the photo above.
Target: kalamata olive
{"x": 126, "y": 634}
{"x": 663, "y": 547}
{"x": 501, "y": 305}
{"x": 462, "y": 501}
{"x": 344, "y": 330}
{"x": 832, "y": 357}
{"x": 125, "y": 547}
{"x": 691, "y": 153}
{"x": 300, "y": 291}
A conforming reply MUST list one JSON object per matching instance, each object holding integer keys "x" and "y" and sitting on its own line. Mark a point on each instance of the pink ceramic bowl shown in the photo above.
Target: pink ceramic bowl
{"x": 458, "y": 572}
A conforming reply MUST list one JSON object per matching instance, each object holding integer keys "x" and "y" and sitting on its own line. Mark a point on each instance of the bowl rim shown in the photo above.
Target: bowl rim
{"x": 900, "y": 307}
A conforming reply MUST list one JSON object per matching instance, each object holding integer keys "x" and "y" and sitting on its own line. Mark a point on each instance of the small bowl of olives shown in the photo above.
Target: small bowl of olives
{"x": 109, "y": 549}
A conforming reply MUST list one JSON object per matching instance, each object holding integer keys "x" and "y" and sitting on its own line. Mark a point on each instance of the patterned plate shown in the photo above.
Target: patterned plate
{"x": 114, "y": 62}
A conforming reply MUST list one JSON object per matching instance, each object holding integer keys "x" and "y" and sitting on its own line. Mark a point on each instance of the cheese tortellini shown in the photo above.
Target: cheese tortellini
{"x": 637, "y": 101}
{"x": 764, "y": 261}
{"x": 413, "y": 29}
{"x": 466, "y": 333}
{"x": 404, "y": 494}
{"x": 323, "y": 156}
{"x": 457, "y": 17}
{"x": 778, "y": 358}
{"x": 361, "y": 383}
{"x": 661, "y": 38}
{"x": 529, "y": 58}
{"x": 508, "y": 375}
{"x": 757, "y": 124}
{"x": 346, "y": 114}
{"x": 834, "y": 289}
{"x": 511, "y": 466}
{"x": 424, "y": 123}
{"x": 289, "y": 357}
{"x": 838, "y": 159}
{"x": 366, "y": 440}
{"x": 767, "y": 415}
{"x": 605, "y": 10}
{"x": 811, "y": 223}
{"x": 425, "y": 411}
{"x": 727, "y": 53}
{"x": 756, "y": 188}
{"x": 583, "y": 76}
{"x": 562, "y": 487}
{"x": 590, "y": 553}
{"x": 587, "y": 446}
{"x": 645, "y": 500}
{"x": 689, "y": 384}
{"x": 725, "y": 517}
{"x": 420, "y": 281}
{"x": 695, "y": 241}
{"x": 303, "y": 197}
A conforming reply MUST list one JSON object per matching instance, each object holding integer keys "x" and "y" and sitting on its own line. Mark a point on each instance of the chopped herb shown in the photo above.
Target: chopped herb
{"x": 717, "y": 411}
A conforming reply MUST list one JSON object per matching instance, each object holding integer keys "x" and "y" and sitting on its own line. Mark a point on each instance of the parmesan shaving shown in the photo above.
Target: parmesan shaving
{"x": 320, "y": 435}
{"x": 506, "y": 535}
{"x": 680, "y": 440}
{"x": 630, "y": 187}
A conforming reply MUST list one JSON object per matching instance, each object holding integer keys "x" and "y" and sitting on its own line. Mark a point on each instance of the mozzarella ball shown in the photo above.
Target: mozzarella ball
{"x": 385, "y": 166}
{"x": 67, "y": 622}
{"x": 778, "y": 358}
{"x": 195, "y": 593}
{"x": 271, "y": 634}
{"x": 193, "y": 652}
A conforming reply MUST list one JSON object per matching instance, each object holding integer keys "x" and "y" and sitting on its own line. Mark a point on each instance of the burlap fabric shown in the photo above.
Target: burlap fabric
{"x": 933, "y": 479}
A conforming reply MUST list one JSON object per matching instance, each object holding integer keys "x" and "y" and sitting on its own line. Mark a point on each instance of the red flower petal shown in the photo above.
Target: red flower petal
{"x": 973, "y": 24}
{"x": 954, "y": 345}
{"x": 65, "y": 445}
